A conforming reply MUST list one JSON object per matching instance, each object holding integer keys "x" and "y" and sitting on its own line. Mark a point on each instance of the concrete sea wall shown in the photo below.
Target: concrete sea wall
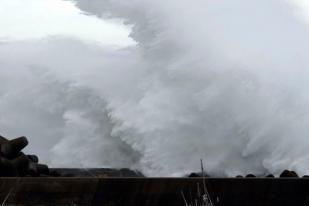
{"x": 152, "y": 191}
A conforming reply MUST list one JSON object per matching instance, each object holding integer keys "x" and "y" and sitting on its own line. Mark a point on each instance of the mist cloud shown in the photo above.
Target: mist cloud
{"x": 219, "y": 80}
{"x": 226, "y": 82}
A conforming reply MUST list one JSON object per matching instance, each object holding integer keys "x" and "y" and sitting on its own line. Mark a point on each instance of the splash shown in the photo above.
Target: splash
{"x": 218, "y": 80}
{"x": 225, "y": 82}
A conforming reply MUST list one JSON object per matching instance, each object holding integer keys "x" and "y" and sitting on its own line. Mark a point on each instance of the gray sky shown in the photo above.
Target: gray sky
{"x": 33, "y": 19}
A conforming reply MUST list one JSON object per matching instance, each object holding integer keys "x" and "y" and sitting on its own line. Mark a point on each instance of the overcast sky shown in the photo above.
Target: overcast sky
{"x": 33, "y": 19}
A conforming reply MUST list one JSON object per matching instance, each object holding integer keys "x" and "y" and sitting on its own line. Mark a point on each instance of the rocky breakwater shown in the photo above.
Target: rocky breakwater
{"x": 14, "y": 163}
{"x": 284, "y": 174}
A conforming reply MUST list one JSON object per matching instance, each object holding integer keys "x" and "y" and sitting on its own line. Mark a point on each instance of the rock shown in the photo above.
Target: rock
{"x": 287, "y": 173}
{"x": 42, "y": 169}
{"x": 11, "y": 148}
{"x": 250, "y": 175}
{"x": 125, "y": 172}
{"x": 193, "y": 174}
{"x": 7, "y": 169}
{"x": 294, "y": 174}
{"x": 15, "y": 167}
{"x": 38, "y": 169}
{"x": 55, "y": 174}
{"x": 13, "y": 162}
{"x": 3, "y": 139}
{"x": 33, "y": 158}
{"x": 270, "y": 176}
{"x": 21, "y": 163}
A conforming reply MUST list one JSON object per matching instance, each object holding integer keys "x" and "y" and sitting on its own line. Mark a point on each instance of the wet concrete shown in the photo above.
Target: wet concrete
{"x": 153, "y": 191}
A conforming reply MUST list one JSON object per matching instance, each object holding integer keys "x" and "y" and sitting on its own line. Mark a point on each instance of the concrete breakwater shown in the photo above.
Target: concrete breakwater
{"x": 152, "y": 191}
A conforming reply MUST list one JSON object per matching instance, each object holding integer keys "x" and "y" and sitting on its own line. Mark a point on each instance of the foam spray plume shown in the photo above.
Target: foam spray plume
{"x": 218, "y": 80}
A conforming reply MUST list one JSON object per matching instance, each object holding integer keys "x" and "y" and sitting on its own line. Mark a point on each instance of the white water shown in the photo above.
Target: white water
{"x": 219, "y": 80}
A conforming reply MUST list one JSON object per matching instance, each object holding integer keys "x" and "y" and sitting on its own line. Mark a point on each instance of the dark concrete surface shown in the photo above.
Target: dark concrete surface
{"x": 96, "y": 172}
{"x": 152, "y": 191}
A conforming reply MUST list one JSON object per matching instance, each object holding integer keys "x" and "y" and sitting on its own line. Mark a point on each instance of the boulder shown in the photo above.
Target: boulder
{"x": 13, "y": 162}
{"x": 193, "y": 174}
{"x": 287, "y": 173}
